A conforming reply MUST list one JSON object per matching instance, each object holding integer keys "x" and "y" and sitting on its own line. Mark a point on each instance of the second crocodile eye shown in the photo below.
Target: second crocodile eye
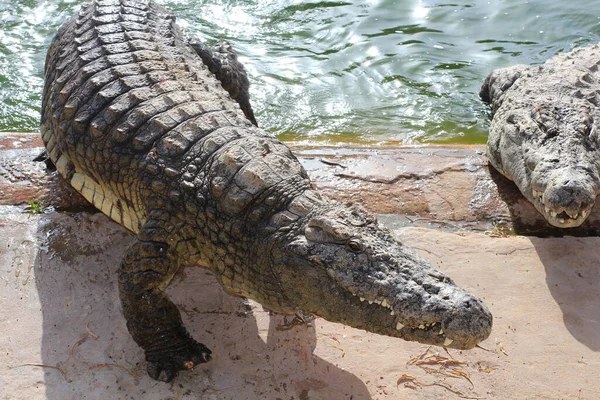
{"x": 355, "y": 246}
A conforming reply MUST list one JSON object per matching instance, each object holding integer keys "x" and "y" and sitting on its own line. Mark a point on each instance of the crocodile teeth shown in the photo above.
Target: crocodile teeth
{"x": 362, "y": 299}
{"x": 392, "y": 313}
{"x": 562, "y": 220}
{"x": 399, "y": 326}
{"x": 421, "y": 326}
{"x": 448, "y": 342}
{"x": 552, "y": 214}
{"x": 441, "y": 332}
{"x": 384, "y": 303}
{"x": 574, "y": 216}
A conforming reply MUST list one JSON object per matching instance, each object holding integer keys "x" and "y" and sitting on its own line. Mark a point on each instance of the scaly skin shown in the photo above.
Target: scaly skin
{"x": 135, "y": 120}
{"x": 544, "y": 136}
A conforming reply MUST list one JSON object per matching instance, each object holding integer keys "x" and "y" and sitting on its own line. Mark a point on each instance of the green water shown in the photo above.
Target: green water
{"x": 364, "y": 71}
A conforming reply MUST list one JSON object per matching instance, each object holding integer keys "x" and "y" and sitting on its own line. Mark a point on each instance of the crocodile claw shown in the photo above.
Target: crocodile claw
{"x": 168, "y": 366}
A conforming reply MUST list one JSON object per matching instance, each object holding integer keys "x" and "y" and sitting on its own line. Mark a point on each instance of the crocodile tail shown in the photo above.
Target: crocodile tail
{"x": 223, "y": 62}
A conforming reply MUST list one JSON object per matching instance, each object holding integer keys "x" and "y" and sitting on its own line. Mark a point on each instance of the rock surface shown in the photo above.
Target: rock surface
{"x": 64, "y": 336}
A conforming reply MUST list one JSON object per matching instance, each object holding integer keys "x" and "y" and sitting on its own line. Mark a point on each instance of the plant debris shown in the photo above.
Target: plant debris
{"x": 34, "y": 207}
{"x": 299, "y": 319}
{"x": 436, "y": 364}
{"x": 77, "y": 343}
{"x": 92, "y": 334}
{"x": 439, "y": 360}
{"x": 332, "y": 163}
{"x": 130, "y": 372}
{"x": 412, "y": 382}
{"x": 62, "y": 371}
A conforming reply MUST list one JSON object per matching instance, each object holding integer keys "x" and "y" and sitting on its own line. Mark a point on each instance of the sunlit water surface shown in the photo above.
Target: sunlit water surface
{"x": 371, "y": 72}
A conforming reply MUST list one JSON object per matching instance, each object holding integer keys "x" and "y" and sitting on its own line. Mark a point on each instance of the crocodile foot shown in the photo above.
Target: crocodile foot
{"x": 166, "y": 366}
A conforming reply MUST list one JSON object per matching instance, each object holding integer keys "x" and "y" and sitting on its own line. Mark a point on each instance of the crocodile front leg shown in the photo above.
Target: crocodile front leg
{"x": 153, "y": 320}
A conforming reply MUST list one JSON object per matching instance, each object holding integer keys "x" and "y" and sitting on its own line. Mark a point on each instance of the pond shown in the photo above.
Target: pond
{"x": 369, "y": 72}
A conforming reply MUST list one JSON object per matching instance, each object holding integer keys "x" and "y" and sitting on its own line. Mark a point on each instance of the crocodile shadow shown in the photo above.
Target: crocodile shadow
{"x": 569, "y": 258}
{"x": 89, "y": 353}
{"x": 573, "y": 278}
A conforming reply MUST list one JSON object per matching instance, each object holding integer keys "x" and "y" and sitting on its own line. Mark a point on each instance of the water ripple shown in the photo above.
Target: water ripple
{"x": 370, "y": 71}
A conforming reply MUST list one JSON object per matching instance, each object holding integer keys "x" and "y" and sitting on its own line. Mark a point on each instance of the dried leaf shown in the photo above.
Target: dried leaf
{"x": 130, "y": 372}
{"x": 441, "y": 361}
{"x": 501, "y": 347}
{"x": 92, "y": 334}
{"x": 406, "y": 379}
{"x": 62, "y": 371}
{"x": 418, "y": 357}
{"x": 482, "y": 348}
{"x": 77, "y": 343}
{"x": 460, "y": 373}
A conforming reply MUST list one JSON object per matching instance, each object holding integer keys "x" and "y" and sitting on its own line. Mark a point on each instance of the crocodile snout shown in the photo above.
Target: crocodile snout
{"x": 567, "y": 201}
{"x": 570, "y": 195}
{"x": 471, "y": 324}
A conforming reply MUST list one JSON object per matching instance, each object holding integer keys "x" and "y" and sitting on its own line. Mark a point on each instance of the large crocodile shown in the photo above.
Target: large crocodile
{"x": 136, "y": 121}
{"x": 543, "y": 134}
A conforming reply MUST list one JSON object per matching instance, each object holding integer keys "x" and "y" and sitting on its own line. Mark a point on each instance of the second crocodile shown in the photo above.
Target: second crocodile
{"x": 544, "y": 133}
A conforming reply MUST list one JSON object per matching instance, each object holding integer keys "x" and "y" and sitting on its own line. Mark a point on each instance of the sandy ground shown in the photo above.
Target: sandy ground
{"x": 64, "y": 337}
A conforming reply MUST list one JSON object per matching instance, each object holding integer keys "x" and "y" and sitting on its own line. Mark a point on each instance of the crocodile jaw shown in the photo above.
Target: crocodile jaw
{"x": 564, "y": 196}
{"x": 401, "y": 308}
{"x": 558, "y": 216}
{"x": 381, "y": 286}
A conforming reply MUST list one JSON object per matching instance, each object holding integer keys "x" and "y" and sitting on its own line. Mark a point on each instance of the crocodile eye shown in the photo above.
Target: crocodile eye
{"x": 355, "y": 246}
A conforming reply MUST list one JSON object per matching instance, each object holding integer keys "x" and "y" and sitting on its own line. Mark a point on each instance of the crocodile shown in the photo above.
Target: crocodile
{"x": 543, "y": 134}
{"x": 156, "y": 130}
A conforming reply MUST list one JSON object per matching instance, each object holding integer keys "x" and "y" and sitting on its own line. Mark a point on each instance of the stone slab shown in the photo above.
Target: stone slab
{"x": 445, "y": 187}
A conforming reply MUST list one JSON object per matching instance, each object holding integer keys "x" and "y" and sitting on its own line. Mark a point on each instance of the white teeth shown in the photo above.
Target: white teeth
{"x": 383, "y": 302}
{"x": 562, "y": 220}
{"x": 552, "y": 214}
{"x": 441, "y": 332}
{"x": 585, "y": 213}
{"x": 421, "y": 326}
{"x": 399, "y": 326}
{"x": 448, "y": 342}
{"x": 392, "y": 313}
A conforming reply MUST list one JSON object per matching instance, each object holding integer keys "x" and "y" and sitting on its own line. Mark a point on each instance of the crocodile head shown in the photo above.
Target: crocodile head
{"x": 544, "y": 136}
{"x": 563, "y": 184}
{"x": 340, "y": 264}
{"x": 551, "y": 153}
